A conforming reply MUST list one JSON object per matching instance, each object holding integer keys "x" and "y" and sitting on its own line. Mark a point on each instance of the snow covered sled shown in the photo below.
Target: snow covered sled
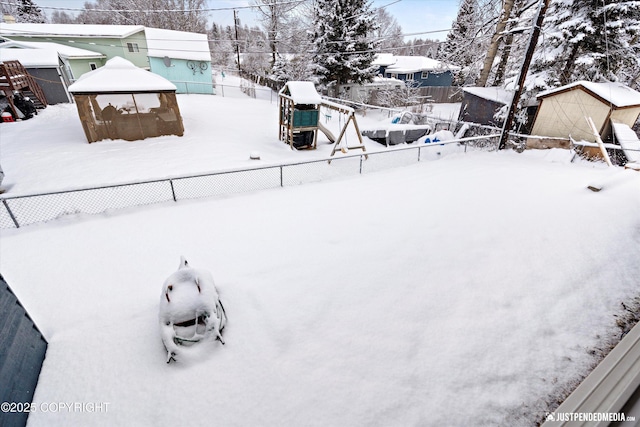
{"x": 190, "y": 309}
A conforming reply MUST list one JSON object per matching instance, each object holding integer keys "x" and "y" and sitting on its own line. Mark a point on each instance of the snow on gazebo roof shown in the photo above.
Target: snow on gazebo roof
{"x": 120, "y": 76}
{"x": 615, "y": 93}
{"x": 177, "y": 44}
{"x": 302, "y": 92}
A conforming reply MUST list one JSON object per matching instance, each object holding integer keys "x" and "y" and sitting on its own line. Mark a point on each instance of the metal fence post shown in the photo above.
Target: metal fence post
{"x": 281, "y": 177}
{"x": 173, "y": 191}
{"x": 13, "y": 218}
{"x": 361, "y": 164}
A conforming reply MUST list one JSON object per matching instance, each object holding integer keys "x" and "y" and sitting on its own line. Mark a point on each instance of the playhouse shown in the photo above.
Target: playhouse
{"x": 299, "y": 105}
{"x": 122, "y": 101}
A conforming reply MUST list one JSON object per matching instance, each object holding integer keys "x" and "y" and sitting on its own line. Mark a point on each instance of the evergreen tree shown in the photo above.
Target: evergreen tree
{"x": 27, "y": 11}
{"x": 462, "y": 46}
{"x": 343, "y": 48}
{"x": 590, "y": 40}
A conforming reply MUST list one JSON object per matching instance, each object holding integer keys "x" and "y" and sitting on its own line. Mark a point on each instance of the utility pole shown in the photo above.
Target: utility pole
{"x": 235, "y": 23}
{"x": 533, "y": 41}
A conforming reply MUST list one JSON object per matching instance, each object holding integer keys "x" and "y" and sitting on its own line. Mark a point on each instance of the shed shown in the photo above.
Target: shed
{"x": 563, "y": 111}
{"x": 53, "y": 65}
{"x": 480, "y": 104}
{"x": 121, "y": 101}
{"x": 45, "y": 67}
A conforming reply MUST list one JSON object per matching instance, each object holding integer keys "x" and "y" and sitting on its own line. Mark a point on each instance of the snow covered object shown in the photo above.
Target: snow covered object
{"x": 190, "y": 309}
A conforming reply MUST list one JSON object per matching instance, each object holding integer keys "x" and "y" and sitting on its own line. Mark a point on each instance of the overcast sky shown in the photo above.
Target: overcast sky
{"x": 414, "y": 16}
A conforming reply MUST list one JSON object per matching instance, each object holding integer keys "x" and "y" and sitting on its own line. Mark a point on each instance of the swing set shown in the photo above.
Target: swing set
{"x": 299, "y": 105}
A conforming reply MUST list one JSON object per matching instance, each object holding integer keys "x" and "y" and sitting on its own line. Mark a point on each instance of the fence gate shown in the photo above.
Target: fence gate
{"x": 22, "y": 351}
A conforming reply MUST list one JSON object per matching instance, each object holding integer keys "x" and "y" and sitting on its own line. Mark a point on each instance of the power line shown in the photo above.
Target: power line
{"x": 214, "y": 9}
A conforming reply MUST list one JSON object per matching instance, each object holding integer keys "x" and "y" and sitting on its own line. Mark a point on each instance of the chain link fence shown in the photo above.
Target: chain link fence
{"x": 19, "y": 211}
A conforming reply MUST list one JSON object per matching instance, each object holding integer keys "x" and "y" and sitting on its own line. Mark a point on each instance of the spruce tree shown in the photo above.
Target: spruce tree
{"x": 343, "y": 47}
{"x": 590, "y": 40}
{"x": 462, "y": 47}
{"x": 29, "y": 12}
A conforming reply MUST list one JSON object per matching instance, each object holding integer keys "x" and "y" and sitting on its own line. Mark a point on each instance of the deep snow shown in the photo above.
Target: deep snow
{"x": 454, "y": 292}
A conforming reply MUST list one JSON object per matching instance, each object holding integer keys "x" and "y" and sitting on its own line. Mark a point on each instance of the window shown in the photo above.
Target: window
{"x": 425, "y": 75}
{"x": 410, "y": 76}
{"x": 92, "y": 65}
{"x": 133, "y": 47}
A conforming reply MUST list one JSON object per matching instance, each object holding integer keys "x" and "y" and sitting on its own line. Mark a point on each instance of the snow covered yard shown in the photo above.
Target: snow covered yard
{"x": 456, "y": 292}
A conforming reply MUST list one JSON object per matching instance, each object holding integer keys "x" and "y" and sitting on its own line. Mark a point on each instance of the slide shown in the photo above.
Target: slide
{"x": 327, "y": 132}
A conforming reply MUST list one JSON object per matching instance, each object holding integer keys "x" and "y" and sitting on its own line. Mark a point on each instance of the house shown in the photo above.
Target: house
{"x": 422, "y": 70}
{"x": 52, "y": 65}
{"x": 122, "y": 101}
{"x": 125, "y": 41}
{"x": 563, "y": 113}
{"x": 176, "y": 55}
{"x": 182, "y": 58}
{"x": 480, "y": 105}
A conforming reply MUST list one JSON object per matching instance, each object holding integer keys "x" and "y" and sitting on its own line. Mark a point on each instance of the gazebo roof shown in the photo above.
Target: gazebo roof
{"x": 120, "y": 76}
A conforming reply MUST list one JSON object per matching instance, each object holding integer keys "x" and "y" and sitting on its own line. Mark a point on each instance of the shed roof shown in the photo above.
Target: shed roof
{"x": 303, "y": 92}
{"x": 120, "y": 76}
{"x": 617, "y": 94}
{"x": 31, "y": 57}
{"x": 177, "y": 44}
{"x": 75, "y": 30}
{"x": 413, "y": 64}
{"x": 496, "y": 94}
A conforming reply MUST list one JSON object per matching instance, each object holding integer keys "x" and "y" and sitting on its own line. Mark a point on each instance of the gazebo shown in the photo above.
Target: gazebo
{"x": 122, "y": 101}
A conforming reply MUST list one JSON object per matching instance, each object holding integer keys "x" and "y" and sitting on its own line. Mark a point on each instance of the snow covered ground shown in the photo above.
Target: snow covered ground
{"x": 458, "y": 292}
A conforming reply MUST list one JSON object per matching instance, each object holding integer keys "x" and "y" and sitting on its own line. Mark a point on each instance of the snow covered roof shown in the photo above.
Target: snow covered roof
{"x": 120, "y": 75}
{"x": 382, "y": 59}
{"x": 31, "y": 57}
{"x": 413, "y": 64}
{"x": 62, "y": 50}
{"x": 177, "y": 44}
{"x": 496, "y": 94}
{"x": 615, "y": 93}
{"x": 302, "y": 92}
{"x": 75, "y": 30}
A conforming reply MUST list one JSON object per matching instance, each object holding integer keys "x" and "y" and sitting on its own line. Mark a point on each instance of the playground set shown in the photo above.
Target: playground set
{"x": 299, "y": 104}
